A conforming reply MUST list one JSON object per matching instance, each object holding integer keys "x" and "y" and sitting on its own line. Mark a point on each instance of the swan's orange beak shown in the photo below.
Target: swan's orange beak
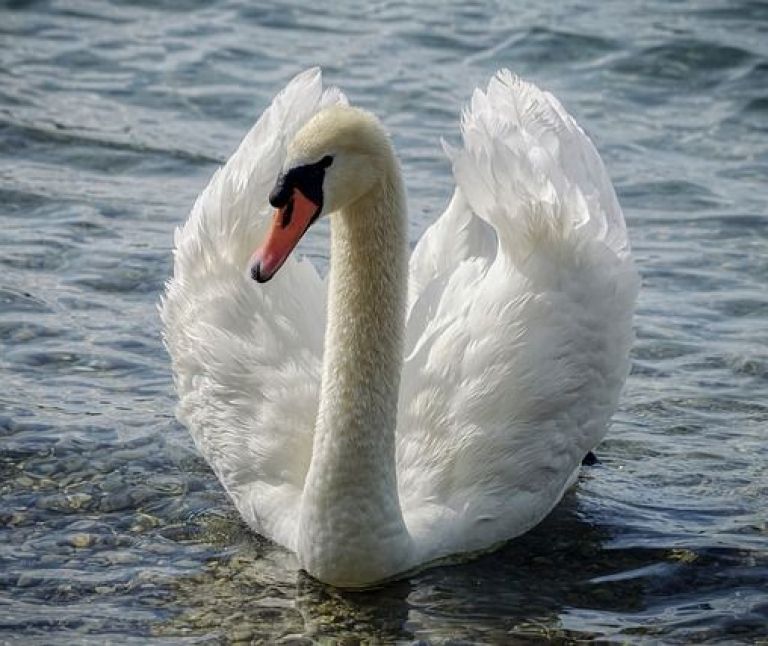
{"x": 289, "y": 224}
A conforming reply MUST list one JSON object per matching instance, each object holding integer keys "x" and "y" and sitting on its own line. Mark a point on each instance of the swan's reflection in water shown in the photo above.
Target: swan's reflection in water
{"x": 519, "y": 591}
{"x": 370, "y": 616}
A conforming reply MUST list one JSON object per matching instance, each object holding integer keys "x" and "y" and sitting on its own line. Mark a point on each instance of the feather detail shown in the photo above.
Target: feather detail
{"x": 519, "y": 325}
{"x": 246, "y": 358}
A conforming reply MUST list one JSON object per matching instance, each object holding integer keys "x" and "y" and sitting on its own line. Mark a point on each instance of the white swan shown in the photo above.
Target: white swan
{"x": 387, "y": 427}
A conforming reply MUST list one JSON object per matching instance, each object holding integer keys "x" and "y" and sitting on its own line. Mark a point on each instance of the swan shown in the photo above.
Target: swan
{"x": 406, "y": 408}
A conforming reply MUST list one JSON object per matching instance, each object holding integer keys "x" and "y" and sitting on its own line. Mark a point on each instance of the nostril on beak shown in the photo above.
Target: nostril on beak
{"x": 287, "y": 212}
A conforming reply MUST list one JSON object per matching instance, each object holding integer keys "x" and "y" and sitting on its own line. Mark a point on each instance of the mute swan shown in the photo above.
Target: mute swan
{"x": 425, "y": 408}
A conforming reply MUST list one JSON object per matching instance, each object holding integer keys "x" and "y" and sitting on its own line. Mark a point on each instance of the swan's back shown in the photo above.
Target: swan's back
{"x": 520, "y": 325}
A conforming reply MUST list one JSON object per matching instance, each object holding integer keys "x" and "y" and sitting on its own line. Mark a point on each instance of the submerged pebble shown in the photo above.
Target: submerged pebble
{"x": 81, "y": 540}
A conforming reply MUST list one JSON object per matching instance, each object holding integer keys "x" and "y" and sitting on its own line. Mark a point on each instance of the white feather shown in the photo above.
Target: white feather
{"x": 517, "y": 339}
{"x": 246, "y": 358}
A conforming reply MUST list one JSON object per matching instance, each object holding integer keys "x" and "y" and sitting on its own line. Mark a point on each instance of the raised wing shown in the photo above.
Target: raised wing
{"x": 247, "y": 357}
{"x": 519, "y": 328}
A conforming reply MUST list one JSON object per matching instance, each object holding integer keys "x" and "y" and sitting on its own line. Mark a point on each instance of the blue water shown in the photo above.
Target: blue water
{"x": 113, "y": 115}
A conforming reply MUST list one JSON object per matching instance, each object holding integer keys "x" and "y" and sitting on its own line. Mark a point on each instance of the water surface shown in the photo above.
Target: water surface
{"x": 113, "y": 115}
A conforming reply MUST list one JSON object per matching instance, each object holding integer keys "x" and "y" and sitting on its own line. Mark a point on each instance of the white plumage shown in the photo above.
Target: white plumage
{"x": 515, "y": 348}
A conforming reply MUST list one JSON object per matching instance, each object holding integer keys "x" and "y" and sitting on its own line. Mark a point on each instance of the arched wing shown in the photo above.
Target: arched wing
{"x": 519, "y": 325}
{"x": 246, "y": 357}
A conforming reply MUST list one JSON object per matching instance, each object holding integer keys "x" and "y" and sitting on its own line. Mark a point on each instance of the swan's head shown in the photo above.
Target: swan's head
{"x": 337, "y": 158}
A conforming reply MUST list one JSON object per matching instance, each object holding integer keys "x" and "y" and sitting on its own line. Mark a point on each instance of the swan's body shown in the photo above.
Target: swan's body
{"x": 447, "y": 402}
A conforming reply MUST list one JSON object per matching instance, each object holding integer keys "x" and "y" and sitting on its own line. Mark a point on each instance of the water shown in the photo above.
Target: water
{"x": 113, "y": 116}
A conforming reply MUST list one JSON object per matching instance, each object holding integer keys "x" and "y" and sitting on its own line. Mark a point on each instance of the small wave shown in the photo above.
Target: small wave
{"x": 693, "y": 62}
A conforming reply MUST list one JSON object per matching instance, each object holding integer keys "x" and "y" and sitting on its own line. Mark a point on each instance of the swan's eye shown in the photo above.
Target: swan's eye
{"x": 308, "y": 178}
{"x": 281, "y": 192}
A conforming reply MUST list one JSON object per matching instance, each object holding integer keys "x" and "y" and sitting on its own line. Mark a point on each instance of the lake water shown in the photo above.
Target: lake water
{"x": 113, "y": 115}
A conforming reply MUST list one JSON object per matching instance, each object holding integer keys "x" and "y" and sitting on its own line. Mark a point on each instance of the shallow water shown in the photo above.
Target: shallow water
{"x": 112, "y": 118}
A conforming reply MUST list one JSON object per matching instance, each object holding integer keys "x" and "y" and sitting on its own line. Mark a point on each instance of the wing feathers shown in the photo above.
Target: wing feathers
{"x": 519, "y": 327}
{"x": 246, "y": 357}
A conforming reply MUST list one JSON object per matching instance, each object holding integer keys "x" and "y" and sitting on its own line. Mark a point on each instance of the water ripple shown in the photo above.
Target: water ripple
{"x": 114, "y": 115}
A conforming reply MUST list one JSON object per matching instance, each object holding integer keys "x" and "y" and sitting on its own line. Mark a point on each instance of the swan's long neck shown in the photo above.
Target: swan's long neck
{"x": 351, "y": 527}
